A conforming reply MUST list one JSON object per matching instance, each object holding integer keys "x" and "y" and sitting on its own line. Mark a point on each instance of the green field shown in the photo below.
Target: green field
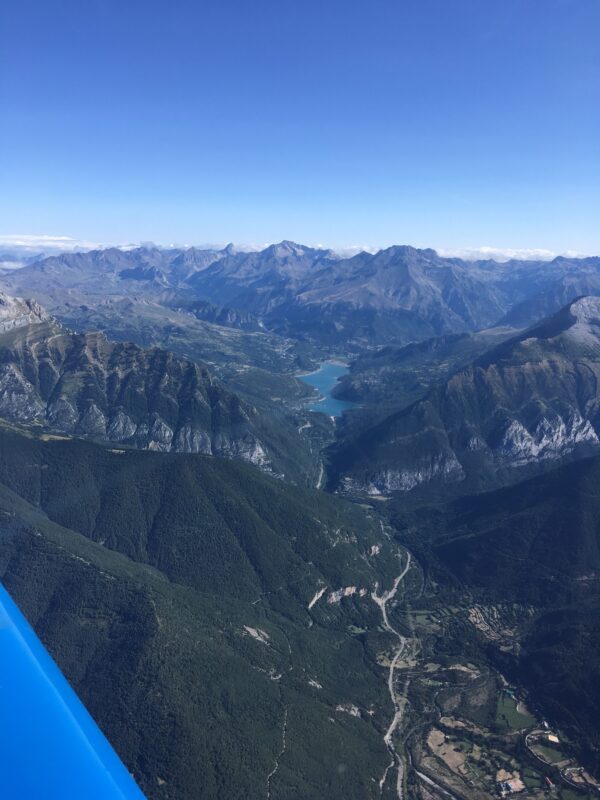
{"x": 507, "y": 715}
{"x": 551, "y": 755}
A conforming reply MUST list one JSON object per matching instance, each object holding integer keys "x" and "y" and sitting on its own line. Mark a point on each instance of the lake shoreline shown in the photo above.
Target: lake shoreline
{"x": 324, "y": 380}
{"x": 335, "y": 361}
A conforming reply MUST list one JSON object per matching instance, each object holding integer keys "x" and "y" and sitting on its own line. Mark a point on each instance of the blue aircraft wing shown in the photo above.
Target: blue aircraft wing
{"x": 50, "y": 747}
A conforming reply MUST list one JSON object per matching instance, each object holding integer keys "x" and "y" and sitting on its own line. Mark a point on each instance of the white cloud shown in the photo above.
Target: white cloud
{"x": 354, "y": 249}
{"x": 10, "y": 264}
{"x": 504, "y": 253}
{"x": 43, "y": 243}
{"x": 474, "y": 253}
{"x": 17, "y": 250}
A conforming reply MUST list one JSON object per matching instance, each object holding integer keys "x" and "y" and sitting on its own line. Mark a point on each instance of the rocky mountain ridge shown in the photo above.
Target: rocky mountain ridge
{"x": 86, "y": 385}
{"x": 532, "y": 400}
{"x": 16, "y": 313}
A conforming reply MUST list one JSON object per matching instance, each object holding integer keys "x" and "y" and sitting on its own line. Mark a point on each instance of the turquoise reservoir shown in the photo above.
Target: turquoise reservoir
{"x": 50, "y": 747}
{"x": 323, "y": 380}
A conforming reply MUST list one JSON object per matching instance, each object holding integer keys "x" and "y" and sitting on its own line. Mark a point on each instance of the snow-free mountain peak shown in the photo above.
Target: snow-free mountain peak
{"x": 17, "y": 313}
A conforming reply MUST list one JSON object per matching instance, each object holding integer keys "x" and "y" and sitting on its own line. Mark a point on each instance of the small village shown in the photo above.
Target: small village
{"x": 520, "y": 754}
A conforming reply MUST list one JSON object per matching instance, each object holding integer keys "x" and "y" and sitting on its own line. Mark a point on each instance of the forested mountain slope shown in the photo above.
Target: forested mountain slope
{"x": 206, "y": 614}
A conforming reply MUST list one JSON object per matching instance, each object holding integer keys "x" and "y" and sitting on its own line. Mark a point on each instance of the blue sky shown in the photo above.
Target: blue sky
{"x": 445, "y": 123}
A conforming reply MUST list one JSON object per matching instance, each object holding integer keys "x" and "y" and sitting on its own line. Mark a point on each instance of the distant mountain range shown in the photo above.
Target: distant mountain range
{"x": 396, "y": 295}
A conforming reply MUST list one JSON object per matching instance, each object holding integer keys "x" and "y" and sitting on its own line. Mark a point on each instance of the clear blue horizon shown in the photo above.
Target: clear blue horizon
{"x": 450, "y": 125}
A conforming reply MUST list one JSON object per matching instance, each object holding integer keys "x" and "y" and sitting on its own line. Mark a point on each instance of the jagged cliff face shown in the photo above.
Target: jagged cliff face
{"x": 88, "y": 386}
{"x": 16, "y": 313}
{"x": 532, "y": 401}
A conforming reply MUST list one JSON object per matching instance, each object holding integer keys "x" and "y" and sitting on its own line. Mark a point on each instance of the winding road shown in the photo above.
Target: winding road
{"x": 398, "y": 699}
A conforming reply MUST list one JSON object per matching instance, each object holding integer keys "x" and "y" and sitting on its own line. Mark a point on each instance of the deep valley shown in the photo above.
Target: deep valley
{"x": 265, "y": 582}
